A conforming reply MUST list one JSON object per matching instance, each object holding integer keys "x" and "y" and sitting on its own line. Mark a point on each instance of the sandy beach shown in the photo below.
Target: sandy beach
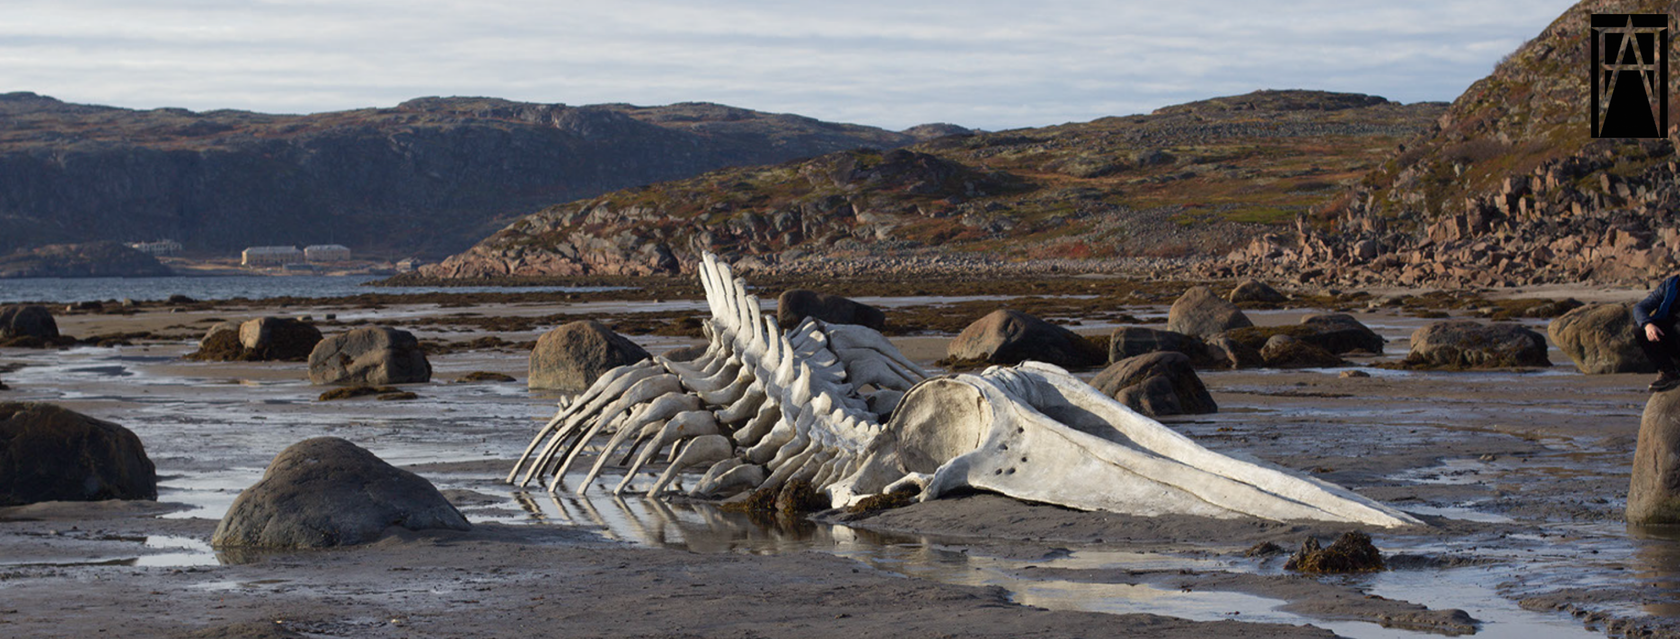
{"x": 1521, "y": 477}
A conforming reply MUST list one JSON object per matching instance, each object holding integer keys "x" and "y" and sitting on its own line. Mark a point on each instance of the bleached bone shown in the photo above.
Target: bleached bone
{"x": 801, "y": 408}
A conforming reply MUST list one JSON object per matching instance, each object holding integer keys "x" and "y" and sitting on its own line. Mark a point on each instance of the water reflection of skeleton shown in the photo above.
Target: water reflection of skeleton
{"x": 838, "y": 406}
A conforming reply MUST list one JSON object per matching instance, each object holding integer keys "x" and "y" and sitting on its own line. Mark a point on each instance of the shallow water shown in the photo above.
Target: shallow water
{"x": 211, "y": 429}
{"x": 65, "y": 290}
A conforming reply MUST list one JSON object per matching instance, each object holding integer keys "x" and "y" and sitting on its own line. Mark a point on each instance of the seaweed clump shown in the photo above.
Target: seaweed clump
{"x": 885, "y": 501}
{"x": 1352, "y": 552}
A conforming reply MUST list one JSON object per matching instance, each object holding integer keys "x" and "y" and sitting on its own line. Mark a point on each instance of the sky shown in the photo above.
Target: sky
{"x": 987, "y": 64}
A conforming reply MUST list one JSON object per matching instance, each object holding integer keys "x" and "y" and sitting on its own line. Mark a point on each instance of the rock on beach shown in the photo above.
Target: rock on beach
{"x": 794, "y": 305}
{"x": 1201, "y": 313}
{"x": 1600, "y": 339}
{"x": 1008, "y": 336}
{"x": 1157, "y": 384}
{"x": 1654, "y": 491}
{"x": 369, "y": 355}
{"x": 1468, "y": 344}
{"x": 27, "y": 320}
{"x": 49, "y": 453}
{"x": 571, "y": 357}
{"x": 327, "y": 491}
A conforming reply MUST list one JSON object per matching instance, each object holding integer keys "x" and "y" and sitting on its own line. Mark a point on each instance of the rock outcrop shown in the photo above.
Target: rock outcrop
{"x": 1654, "y": 491}
{"x": 372, "y": 355}
{"x": 93, "y": 259}
{"x": 1468, "y": 344}
{"x": 27, "y": 320}
{"x": 325, "y": 492}
{"x": 1007, "y": 336}
{"x": 1510, "y": 188}
{"x": 570, "y": 357}
{"x": 794, "y": 305}
{"x": 49, "y": 453}
{"x": 1600, "y": 339}
{"x": 1200, "y": 313}
{"x": 1157, "y": 384}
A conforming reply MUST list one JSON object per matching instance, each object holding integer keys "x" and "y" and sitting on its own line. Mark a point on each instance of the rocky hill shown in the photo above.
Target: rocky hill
{"x": 430, "y": 176}
{"x": 1508, "y": 188}
{"x": 93, "y": 259}
{"x": 1186, "y": 181}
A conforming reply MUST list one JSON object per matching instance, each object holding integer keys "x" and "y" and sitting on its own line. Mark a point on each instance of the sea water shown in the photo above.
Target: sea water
{"x": 64, "y": 290}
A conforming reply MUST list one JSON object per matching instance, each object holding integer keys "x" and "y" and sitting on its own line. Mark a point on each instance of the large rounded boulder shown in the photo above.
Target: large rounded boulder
{"x": 1007, "y": 336}
{"x": 1201, "y": 313}
{"x": 1468, "y": 344}
{"x": 1340, "y": 333}
{"x": 371, "y": 355}
{"x": 794, "y": 305}
{"x": 1157, "y": 384}
{"x": 1600, "y": 339}
{"x": 27, "y": 320}
{"x": 329, "y": 492}
{"x": 265, "y": 339}
{"x": 1654, "y": 492}
{"x": 49, "y": 453}
{"x": 572, "y": 356}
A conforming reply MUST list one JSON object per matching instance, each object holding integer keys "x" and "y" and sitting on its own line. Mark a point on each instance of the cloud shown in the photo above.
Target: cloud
{"x": 984, "y": 63}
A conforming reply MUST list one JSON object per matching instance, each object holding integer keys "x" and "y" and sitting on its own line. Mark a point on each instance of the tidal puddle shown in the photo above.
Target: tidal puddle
{"x": 211, "y": 439}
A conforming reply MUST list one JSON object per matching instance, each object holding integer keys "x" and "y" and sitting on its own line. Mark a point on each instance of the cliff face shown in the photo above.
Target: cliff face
{"x": 1508, "y": 187}
{"x": 1186, "y": 181}
{"x": 430, "y": 176}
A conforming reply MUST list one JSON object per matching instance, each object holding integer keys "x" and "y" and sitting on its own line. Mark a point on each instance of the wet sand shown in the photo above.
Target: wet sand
{"x": 1521, "y": 476}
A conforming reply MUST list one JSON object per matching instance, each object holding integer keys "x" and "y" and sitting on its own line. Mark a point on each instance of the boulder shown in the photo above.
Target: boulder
{"x": 1654, "y": 492}
{"x": 329, "y": 492}
{"x": 27, "y": 320}
{"x": 570, "y": 357}
{"x": 369, "y": 355}
{"x": 260, "y": 340}
{"x": 1230, "y": 353}
{"x": 1283, "y": 351}
{"x": 1600, "y": 339}
{"x": 795, "y": 305}
{"x": 1337, "y": 332}
{"x": 1157, "y": 384}
{"x": 1468, "y": 344}
{"x": 1200, "y": 313}
{"x": 1132, "y": 341}
{"x": 1007, "y": 336}
{"x": 1252, "y": 291}
{"x": 1341, "y": 333}
{"x": 278, "y": 338}
{"x": 49, "y": 453}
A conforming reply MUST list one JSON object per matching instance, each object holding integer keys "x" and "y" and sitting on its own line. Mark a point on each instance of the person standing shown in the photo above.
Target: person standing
{"x": 1655, "y": 317}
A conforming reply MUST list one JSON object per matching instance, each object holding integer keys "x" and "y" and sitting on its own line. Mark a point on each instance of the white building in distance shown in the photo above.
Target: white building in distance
{"x": 326, "y": 253}
{"x": 270, "y": 256}
{"x": 158, "y": 248}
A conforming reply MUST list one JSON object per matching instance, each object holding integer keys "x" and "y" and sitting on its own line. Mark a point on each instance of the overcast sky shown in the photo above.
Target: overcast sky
{"x": 988, "y": 64}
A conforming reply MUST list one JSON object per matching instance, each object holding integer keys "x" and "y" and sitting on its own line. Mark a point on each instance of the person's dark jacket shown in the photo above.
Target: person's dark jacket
{"x": 1659, "y": 305}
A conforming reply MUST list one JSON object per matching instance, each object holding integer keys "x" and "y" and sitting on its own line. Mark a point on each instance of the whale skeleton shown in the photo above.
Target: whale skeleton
{"x": 836, "y": 405}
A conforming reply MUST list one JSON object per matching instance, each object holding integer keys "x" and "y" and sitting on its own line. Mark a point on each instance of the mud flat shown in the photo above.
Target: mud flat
{"x": 1520, "y": 474}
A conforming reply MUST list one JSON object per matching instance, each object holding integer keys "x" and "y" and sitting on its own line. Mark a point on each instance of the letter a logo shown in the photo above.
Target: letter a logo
{"x": 1630, "y": 75}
